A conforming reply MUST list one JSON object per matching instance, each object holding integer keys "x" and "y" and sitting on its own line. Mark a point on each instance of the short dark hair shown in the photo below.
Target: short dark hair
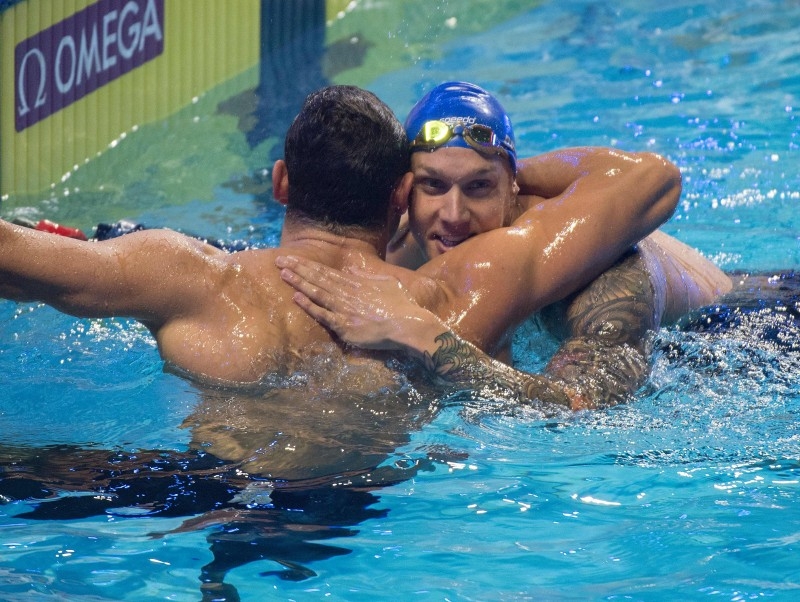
{"x": 345, "y": 152}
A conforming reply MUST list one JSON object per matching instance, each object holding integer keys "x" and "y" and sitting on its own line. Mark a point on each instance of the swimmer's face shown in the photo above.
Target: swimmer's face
{"x": 458, "y": 193}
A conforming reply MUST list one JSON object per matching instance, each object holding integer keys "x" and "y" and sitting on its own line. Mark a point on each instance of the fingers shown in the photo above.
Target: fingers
{"x": 316, "y": 273}
{"x": 330, "y": 303}
{"x": 356, "y": 305}
{"x": 318, "y": 294}
{"x": 320, "y": 314}
{"x": 364, "y": 275}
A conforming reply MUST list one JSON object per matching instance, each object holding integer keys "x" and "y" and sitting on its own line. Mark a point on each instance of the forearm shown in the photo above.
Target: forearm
{"x": 582, "y": 375}
{"x": 455, "y": 362}
{"x": 585, "y": 372}
{"x": 460, "y": 363}
{"x": 606, "y": 332}
{"x": 643, "y": 188}
{"x": 598, "y": 374}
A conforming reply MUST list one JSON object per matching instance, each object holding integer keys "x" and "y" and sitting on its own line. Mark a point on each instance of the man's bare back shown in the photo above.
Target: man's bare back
{"x": 250, "y": 329}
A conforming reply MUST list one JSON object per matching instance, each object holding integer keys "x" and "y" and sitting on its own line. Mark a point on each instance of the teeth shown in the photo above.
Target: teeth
{"x": 451, "y": 242}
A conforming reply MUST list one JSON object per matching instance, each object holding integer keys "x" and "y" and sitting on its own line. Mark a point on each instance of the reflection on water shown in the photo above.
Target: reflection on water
{"x": 691, "y": 488}
{"x": 271, "y": 475}
{"x": 330, "y": 422}
{"x": 245, "y": 518}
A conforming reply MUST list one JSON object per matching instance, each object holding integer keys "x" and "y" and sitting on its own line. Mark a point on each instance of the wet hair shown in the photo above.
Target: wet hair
{"x": 345, "y": 152}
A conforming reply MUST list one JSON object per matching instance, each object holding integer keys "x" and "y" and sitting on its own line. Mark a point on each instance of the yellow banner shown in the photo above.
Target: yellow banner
{"x": 75, "y": 75}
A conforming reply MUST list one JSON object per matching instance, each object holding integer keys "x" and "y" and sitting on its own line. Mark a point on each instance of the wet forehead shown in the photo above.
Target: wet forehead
{"x": 457, "y": 163}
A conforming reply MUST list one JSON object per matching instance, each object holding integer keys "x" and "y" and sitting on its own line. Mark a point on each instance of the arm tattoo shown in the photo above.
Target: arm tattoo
{"x": 617, "y": 307}
{"x": 460, "y": 363}
{"x": 605, "y": 352}
{"x": 457, "y": 361}
{"x": 601, "y": 362}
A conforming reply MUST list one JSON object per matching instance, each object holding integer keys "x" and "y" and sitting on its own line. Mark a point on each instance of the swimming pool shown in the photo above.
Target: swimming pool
{"x": 690, "y": 491}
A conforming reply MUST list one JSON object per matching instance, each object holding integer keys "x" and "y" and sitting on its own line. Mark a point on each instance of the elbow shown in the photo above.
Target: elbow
{"x": 673, "y": 186}
{"x": 666, "y": 184}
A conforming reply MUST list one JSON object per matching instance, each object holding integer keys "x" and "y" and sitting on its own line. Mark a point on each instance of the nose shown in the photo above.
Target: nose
{"x": 454, "y": 208}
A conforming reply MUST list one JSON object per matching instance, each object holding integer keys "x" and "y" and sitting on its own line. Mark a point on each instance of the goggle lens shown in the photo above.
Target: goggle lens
{"x": 482, "y": 134}
{"x": 435, "y": 133}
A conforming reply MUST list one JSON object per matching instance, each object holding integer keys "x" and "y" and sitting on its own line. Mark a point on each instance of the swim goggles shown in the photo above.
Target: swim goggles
{"x": 435, "y": 133}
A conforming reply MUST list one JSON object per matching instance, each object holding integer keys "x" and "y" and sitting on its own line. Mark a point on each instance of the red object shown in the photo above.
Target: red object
{"x": 46, "y": 225}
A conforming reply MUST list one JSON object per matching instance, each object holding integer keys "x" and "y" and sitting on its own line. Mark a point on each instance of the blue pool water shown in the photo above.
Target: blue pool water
{"x": 691, "y": 491}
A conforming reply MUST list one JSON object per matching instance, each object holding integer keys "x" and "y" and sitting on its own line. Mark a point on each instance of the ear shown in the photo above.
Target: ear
{"x": 280, "y": 182}
{"x": 401, "y": 193}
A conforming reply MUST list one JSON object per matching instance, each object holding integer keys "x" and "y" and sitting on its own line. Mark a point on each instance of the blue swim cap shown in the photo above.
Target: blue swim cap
{"x": 461, "y": 104}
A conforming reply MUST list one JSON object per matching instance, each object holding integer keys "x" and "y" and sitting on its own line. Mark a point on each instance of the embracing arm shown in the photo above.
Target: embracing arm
{"x": 605, "y": 334}
{"x": 589, "y": 370}
{"x": 456, "y": 362}
{"x": 376, "y": 312}
{"x": 593, "y": 204}
{"x": 603, "y": 359}
{"x": 644, "y": 185}
{"x": 495, "y": 280}
{"x": 148, "y": 275}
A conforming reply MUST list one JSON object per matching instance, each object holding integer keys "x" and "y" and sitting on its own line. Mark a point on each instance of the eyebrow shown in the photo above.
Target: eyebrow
{"x": 433, "y": 171}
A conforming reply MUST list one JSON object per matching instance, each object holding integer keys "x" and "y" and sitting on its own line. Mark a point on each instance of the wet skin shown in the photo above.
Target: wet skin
{"x": 458, "y": 193}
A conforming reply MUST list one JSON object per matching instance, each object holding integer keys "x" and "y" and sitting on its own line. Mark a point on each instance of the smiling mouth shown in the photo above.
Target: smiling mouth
{"x": 450, "y": 241}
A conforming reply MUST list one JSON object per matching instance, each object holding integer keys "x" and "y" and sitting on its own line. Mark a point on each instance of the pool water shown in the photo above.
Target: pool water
{"x": 690, "y": 491}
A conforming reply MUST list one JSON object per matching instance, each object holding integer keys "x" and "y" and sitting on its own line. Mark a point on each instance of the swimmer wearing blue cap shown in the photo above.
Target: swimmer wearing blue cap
{"x": 464, "y": 115}
{"x": 464, "y": 162}
{"x": 467, "y": 181}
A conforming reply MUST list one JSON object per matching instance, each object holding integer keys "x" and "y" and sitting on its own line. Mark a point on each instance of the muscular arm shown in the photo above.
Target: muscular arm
{"x": 605, "y": 335}
{"x": 602, "y": 360}
{"x": 603, "y": 357}
{"x": 149, "y": 275}
{"x": 551, "y": 174}
{"x": 495, "y": 280}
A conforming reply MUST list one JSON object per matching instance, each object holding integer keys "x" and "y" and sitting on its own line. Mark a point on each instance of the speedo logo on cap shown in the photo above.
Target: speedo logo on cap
{"x": 451, "y": 121}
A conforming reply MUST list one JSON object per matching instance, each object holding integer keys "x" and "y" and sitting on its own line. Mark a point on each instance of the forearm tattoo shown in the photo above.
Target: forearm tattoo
{"x": 601, "y": 373}
{"x": 601, "y": 362}
{"x": 607, "y": 330}
{"x": 459, "y": 363}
